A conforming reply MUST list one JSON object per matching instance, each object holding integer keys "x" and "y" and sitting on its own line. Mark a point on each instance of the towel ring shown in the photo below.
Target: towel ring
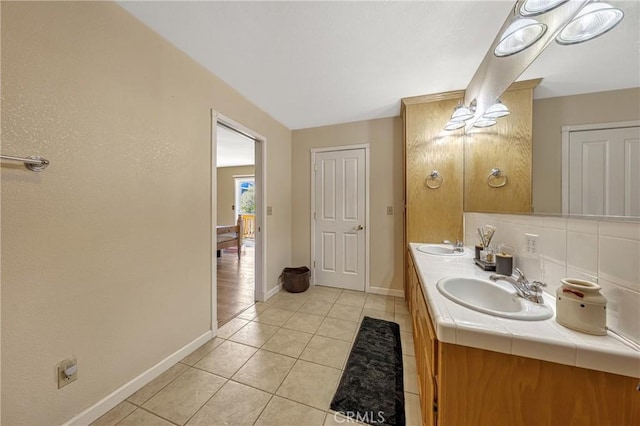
{"x": 436, "y": 177}
{"x": 496, "y": 173}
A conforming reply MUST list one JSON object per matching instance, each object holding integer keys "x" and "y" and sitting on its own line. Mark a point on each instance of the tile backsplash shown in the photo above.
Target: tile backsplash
{"x": 602, "y": 251}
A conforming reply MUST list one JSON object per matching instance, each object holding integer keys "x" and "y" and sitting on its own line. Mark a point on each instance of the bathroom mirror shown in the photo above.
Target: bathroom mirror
{"x": 584, "y": 84}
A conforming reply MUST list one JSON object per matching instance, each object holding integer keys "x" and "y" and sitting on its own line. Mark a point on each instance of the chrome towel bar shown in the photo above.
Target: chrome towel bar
{"x": 35, "y": 164}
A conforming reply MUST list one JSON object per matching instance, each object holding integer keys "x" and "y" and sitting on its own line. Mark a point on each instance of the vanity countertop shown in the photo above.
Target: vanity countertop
{"x": 545, "y": 340}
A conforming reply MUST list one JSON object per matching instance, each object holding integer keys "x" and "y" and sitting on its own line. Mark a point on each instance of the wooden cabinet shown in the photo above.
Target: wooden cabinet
{"x": 461, "y": 385}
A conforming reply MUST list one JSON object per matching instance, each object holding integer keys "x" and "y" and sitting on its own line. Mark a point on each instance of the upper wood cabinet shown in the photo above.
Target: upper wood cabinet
{"x": 506, "y": 146}
{"x": 432, "y": 215}
{"x": 464, "y": 160}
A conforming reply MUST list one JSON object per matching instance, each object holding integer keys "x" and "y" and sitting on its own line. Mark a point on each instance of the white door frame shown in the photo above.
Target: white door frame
{"x": 566, "y": 130}
{"x": 314, "y": 151}
{"x": 261, "y": 202}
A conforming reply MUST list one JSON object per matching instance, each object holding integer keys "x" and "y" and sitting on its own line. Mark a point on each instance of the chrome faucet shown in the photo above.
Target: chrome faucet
{"x": 458, "y": 246}
{"x": 528, "y": 291}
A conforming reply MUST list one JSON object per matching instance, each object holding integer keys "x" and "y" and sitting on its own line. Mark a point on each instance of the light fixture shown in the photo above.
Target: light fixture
{"x": 497, "y": 110}
{"x": 538, "y": 7}
{"x": 485, "y": 122}
{"x": 521, "y": 34}
{"x": 592, "y": 21}
{"x": 461, "y": 113}
{"x": 454, "y": 125}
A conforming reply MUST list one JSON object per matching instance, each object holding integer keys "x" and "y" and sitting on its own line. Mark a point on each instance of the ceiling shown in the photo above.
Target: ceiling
{"x": 310, "y": 64}
{"x": 233, "y": 149}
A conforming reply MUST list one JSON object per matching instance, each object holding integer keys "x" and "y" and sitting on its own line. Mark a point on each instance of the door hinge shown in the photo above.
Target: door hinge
{"x": 315, "y": 216}
{"x": 314, "y": 264}
{"x": 315, "y": 167}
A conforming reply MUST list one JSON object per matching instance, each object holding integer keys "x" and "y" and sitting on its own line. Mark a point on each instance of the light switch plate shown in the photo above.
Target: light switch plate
{"x": 389, "y": 210}
{"x": 269, "y": 210}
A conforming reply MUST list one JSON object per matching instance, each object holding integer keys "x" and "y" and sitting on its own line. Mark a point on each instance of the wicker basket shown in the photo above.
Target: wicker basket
{"x": 295, "y": 280}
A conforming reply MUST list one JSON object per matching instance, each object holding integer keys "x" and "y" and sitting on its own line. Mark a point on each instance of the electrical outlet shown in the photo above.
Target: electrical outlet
{"x": 389, "y": 210}
{"x": 67, "y": 372}
{"x": 531, "y": 244}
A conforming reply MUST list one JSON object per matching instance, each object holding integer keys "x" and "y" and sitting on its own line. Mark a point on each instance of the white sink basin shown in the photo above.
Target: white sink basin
{"x": 439, "y": 250}
{"x": 490, "y": 298}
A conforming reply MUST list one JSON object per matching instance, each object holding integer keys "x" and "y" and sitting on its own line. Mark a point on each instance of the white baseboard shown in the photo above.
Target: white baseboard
{"x": 116, "y": 397}
{"x": 273, "y": 291}
{"x": 386, "y": 291}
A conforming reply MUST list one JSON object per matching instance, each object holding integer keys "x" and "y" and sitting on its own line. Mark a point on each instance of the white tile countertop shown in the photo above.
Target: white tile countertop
{"x": 544, "y": 340}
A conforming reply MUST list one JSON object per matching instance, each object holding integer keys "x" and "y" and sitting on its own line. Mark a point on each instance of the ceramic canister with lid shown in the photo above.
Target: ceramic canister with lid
{"x": 581, "y": 307}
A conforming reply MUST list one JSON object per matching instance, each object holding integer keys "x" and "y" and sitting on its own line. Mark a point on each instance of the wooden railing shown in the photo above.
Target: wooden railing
{"x": 248, "y": 226}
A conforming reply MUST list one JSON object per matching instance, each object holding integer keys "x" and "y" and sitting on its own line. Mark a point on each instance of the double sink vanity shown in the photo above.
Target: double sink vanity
{"x": 486, "y": 355}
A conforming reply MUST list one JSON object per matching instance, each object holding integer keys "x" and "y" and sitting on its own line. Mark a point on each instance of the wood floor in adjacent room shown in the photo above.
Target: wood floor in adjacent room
{"x": 236, "y": 283}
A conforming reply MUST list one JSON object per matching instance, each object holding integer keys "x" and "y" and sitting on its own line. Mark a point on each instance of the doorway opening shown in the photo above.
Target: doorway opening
{"x": 237, "y": 210}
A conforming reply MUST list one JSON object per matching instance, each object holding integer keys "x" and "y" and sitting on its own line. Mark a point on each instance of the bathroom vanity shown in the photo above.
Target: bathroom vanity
{"x": 477, "y": 369}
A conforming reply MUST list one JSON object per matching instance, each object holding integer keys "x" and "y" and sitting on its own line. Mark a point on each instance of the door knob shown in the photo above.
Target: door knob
{"x": 358, "y": 228}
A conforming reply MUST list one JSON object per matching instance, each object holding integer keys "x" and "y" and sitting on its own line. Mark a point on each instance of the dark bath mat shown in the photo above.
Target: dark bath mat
{"x": 371, "y": 389}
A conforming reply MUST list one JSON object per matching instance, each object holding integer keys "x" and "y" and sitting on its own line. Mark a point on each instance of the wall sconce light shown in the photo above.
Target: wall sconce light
{"x": 538, "y": 7}
{"x": 497, "y": 110}
{"x": 521, "y": 34}
{"x": 592, "y": 21}
{"x": 454, "y": 125}
{"x": 461, "y": 113}
{"x": 485, "y": 122}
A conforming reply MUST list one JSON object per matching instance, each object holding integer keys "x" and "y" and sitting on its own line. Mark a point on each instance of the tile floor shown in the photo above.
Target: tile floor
{"x": 278, "y": 363}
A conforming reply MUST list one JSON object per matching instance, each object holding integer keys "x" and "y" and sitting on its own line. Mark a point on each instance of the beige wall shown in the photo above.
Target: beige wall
{"x": 549, "y": 115}
{"x": 385, "y": 138}
{"x": 106, "y": 255}
{"x": 227, "y": 194}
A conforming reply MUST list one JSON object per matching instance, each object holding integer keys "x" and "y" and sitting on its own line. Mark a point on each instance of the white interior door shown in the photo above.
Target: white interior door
{"x": 339, "y": 214}
{"x": 604, "y": 172}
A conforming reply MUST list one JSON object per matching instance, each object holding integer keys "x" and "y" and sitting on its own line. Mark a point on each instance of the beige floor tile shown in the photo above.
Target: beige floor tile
{"x": 254, "y": 334}
{"x": 316, "y": 307}
{"x": 231, "y": 327}
{"x": 203, "y": 350}
{"x": 185, "y": 395}
{"x": 310, "y": 384}
{"x": 410, "y": 374}
{"x": 303, "y": 295}
{"x": 352, "y": 298}
{"x": 234, "y": 405}
{"x": 288, "y": 342}
{"x": 326, "y": 351}
{"x": 406, "y": 339}
{"x": 344, "y": 312}
{"x": 380, "y": 303}
{"x": 157, "y": 384}
{"x": 289, "y": 304}
{"x": 374, "y": 313}
{"x": 115, "y": 415}
{"x": 273, "y": 299}
{"x": 400, "y": 307}
{"x": 274, "y": 316}
{"x": 282, "y": 412}
{"x": 404, "y": 321}
{"x": 325, "y": 294}
{"x": 141, "y": 417}
{"x": 301, "y": 321}
{"x": 265, "y": 370}
{"x": 253, "y": 311}
{"x": 338, "y": 329}
{"x": 226, "y": 359}
{"x": 412, "y": 412}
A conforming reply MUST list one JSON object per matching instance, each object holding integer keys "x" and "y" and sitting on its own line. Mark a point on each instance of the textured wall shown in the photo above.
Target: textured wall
{"x": 227, "y": 194}
{"x": 106, "y": 255}
{"x": 385, "y": 139}
{"x": 549, "y": 115}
